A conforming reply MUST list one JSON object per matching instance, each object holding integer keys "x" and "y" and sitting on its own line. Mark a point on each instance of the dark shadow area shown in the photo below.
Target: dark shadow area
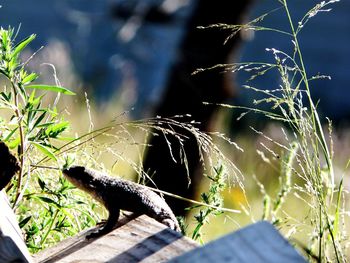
{"x": 185, "y": 94}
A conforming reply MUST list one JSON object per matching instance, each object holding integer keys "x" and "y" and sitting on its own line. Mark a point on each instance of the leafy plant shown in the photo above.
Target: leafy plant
{"x": 30, "y": 125}
{"x": 213, "y": 202}
{"x": 42, "y": 199}
{"x": 48, "y": 207}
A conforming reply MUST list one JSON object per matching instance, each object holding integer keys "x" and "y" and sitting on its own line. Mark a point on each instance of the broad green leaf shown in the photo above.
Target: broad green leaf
{"x": 51, "y": 88}
{"x": 45, "y": 150}
{"x": 21, "y": 45}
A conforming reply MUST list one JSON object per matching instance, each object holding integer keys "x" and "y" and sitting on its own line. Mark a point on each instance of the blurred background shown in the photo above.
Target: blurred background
{"x": 112, "y": 49}
{"x": 122, "y": 52}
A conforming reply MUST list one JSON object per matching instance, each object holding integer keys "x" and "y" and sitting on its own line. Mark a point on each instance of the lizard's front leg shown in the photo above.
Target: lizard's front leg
{"x": 108, "y": 226}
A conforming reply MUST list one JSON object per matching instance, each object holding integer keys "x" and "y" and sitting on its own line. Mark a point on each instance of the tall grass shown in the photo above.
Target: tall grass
{"x": 307, "y": 170}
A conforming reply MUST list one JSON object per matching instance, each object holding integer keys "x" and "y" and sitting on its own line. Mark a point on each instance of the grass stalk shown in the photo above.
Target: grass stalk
{"x": 22, "y": 145}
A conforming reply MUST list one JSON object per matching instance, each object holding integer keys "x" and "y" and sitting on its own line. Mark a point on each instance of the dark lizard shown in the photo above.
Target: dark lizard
{"x": 117, "y": 194}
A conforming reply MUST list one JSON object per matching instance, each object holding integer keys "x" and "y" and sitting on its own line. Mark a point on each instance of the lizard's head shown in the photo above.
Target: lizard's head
{"x": 78, "y": 176}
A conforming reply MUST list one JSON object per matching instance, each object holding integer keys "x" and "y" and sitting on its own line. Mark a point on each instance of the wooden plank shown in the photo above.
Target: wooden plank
{"x": 66, "y": 246}
{"x": 258, "y": 243}
{"x": 140, "y": 240}
{"x": 12, "y": 247}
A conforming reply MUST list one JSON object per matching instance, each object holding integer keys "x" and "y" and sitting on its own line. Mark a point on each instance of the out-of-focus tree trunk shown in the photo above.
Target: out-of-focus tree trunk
{"x": 185, "y": 93}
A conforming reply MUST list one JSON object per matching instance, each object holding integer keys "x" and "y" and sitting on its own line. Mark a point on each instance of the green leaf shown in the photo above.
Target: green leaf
{"x": 4, "y": 72}
{"x": 6, "y": 97}
{"x": 50, "y": 201}
{"x": 47, "y": 200}
{"x": 21, "y": 45}
{"x": 4, "y": 38}
{"x": 31, "y": 77}
{"x": 45, "y": 150}
{"x": 56, "y": 129}
{"x": 31, "y": 97}
{"x": 42, "y": 184}
{"x": 69, "y": 160}
{"x": 8, "y": 137}
{"x": 14, "y": 143}
{"x": 44, "y": 125}
{"x": 24, "y": 221}
{"x": 51, "y": 88}
{"x": 33, "y": 230}
{"x": 38, "y": 120}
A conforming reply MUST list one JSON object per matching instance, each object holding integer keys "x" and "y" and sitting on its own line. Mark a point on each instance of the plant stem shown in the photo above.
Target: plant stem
{"x": 315, "y": 118}
{"x": 223, "y": 209}
{"x": 320, "y": 138}
{"x": 50, "y": 227}
{"x": 22, "y": 145}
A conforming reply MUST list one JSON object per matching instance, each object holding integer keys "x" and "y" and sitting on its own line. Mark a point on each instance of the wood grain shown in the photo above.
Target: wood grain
{"x": 258, "y": 243}
{"x": 140, "y": 240}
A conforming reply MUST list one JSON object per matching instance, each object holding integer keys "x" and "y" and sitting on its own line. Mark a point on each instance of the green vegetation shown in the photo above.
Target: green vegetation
{"x": 306, "y": 159}
{"x": 299, "y": 157}
{"x": 42, "y": 200}
{"x": 48, "y": 207}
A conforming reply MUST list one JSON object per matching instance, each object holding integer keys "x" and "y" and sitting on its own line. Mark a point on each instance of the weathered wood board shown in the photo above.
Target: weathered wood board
{"x": 258, "y": 243}
{"x": 140, "y": 240}
{"x": 12, "y": 247}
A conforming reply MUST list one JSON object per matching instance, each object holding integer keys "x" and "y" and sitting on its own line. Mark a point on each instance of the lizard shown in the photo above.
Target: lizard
{"x": 118, "y": 194}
